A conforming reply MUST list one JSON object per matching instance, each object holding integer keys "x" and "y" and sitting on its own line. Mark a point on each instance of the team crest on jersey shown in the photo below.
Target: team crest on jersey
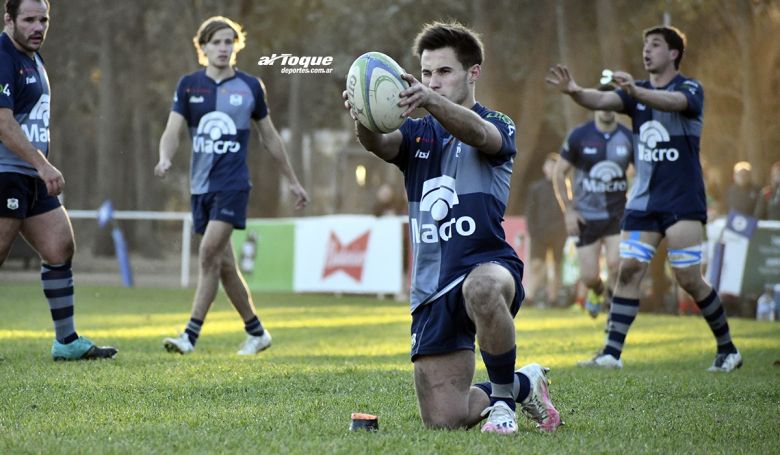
{"x": 12, "y": 203}
{"x": 236, "y": 100}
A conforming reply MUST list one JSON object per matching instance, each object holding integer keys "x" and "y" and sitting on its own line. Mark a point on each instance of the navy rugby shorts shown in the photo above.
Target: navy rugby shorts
{"x": 594, "y": 230}
{"x": 24, "y": 196}
{"x": 227, "y": 206}
{"x": 442, "y": 325}
{"x": 638, "y": 220}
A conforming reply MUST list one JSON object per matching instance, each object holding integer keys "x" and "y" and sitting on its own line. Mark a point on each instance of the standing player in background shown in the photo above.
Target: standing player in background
{"x": 467, "y": 279}
{"x": 667, "y": 197}
{"x": 29, "y": 183}
{"x": 219, "y": 105}
{"x": 599, "y": 151}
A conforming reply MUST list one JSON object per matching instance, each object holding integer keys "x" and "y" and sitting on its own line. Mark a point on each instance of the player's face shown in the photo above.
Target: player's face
{"x": 28, "y": 31}
{"x": 607, "y": 117}
{"x": 219, "y": 49}
{"x": 656, "y": 54}
{"x": 444, "y": 74}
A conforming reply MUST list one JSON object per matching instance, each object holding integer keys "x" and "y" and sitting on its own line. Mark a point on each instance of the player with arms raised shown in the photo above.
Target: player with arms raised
{"x": 667, "y": 197}
{"x": 457, "y": 163}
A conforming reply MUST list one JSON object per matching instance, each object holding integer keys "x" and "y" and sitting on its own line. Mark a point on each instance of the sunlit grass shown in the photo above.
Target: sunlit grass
{"x": 332, "y": 356}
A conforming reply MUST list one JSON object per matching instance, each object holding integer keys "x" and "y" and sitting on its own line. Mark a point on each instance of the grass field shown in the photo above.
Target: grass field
{"x": 332, "y": 356}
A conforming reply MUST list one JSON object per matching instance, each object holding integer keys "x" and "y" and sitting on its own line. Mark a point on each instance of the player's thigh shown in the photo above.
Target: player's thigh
{"x": 612, "y": 251}
{"x": 684, "y": 234}
{"x": 51, "y": 235}
{"x": 442, "y": 383}
{"x": 9, "y": 228}
{"x": 215, "y": 239}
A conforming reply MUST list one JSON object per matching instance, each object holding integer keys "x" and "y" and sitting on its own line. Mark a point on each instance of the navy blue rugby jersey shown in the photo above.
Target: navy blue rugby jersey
{"x": 24, "y": 89}
{"x": 457, "y": 198}
{"x": 219, "y": 116}
{"x": 600, "y": 161}
{"x": 666, "y": 152}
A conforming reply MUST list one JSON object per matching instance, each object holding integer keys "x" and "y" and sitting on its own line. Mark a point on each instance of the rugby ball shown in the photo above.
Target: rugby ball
{"x": 373, "y": 84}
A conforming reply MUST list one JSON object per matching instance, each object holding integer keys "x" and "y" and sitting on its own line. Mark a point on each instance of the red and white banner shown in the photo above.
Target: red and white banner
{"x": 348, "y": 253}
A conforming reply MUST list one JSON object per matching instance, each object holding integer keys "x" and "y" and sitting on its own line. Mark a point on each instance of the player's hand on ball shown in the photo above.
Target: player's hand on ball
{"x": 417, "y": 95}
{"x": 348, "y": 106}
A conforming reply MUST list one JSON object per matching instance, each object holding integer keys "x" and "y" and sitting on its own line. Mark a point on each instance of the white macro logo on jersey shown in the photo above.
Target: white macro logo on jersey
{"x": 211, "y": 128}
{"x": 606, "y": 171}
{"x": 438, "y": 196}
{"x": 35, "y": 132}
{"x": 605, "y": 176}
{"x": 650, "y": 135}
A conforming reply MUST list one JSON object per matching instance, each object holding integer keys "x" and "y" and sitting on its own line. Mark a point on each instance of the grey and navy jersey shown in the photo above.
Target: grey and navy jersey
{"x": 219, "y": 115}
{"x": 600, "y": 161}
{"x": 24, "y": 89}
{"x": 457, "y": 198}
{"x": 666, "y": 152}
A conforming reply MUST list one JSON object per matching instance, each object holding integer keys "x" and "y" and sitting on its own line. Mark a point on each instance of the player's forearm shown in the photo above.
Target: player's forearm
{"x": 561, "y": 195}
{"x": 661, "y": 100}
{"x": 169, "y": 143}
{"x": 276, "y": 148}
{"x": 461, "y": 122}
{"x": 12, "y": 136}
{"x": 591, "y": 99}
{"x": 377, "y": 143}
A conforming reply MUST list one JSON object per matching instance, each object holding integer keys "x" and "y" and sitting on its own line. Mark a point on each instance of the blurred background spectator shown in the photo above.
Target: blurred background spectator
{"x": 742, "y": 195}
{"x": 768, "y": 204}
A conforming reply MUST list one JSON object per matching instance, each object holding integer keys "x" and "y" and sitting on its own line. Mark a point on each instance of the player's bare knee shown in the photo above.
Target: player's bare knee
{"x": 590, "y": 278}
{"x": 481, "y": 293}
{"x": 690, "y": 280}
{"x": 629, "y": 272}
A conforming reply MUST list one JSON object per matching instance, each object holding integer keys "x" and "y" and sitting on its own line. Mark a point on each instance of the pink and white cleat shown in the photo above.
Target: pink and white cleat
{"x": 501, "y": 419}
{"x": 538, "y": 406}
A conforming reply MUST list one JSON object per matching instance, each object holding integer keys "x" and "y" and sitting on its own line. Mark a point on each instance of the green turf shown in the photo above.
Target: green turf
{"x": 332, "y": 356}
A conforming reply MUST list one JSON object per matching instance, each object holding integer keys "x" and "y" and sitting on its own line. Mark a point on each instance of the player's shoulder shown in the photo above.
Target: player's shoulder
{"x": 192, "y": 78}
{"x": 490, "y": 114}
{"x": 688, "y": 83}
{"x": 583, "y": 128}
{"x": 250, "y": 79}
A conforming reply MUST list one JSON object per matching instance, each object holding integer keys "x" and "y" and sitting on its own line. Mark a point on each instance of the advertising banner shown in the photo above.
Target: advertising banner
{"x": 265, "y": 253}
{"x": 348, "y": 253}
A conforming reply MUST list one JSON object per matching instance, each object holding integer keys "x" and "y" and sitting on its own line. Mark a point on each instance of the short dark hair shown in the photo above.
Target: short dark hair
{"x": 12, "y": 7}
{"x": 465, "y": 42}
{"x": 675, "y": 38}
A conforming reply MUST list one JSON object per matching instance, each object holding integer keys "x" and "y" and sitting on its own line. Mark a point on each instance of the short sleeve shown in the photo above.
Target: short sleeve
{"x": 7, "y": 82}
{"x": 629, "y": 102}
{"x": 569, "y": 149}
{"x": 261, "y": 102}
{"x": 506, "y": 127}
{"x": 409, "y": 132}
{"x": 694, "y": 93}
{"x": 180, "y": 102}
